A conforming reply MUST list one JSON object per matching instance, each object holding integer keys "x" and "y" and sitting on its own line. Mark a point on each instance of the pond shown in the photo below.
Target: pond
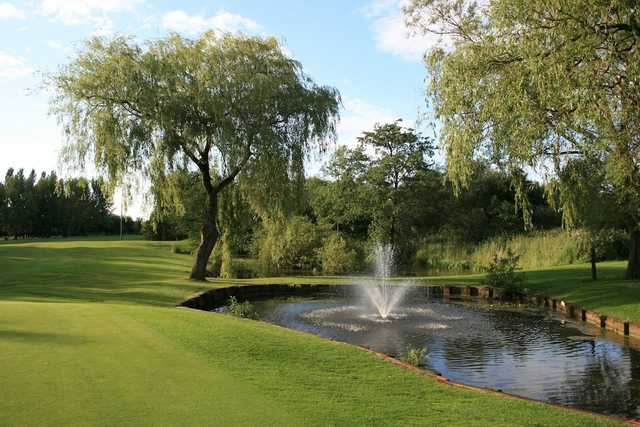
{"x": 517, "y": 349}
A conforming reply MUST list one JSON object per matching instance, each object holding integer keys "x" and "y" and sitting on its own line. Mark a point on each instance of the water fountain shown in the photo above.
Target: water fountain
{"x": 381, "y": 292}
{"x": 524, "y": 351}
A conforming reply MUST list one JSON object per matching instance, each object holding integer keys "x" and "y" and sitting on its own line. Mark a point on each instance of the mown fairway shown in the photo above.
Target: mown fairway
{"x": 89, "y": 335}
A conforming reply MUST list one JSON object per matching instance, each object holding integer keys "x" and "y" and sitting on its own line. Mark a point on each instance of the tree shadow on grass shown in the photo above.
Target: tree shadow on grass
{"x": 41, "y": 338}
{"x": 141, "y": 275}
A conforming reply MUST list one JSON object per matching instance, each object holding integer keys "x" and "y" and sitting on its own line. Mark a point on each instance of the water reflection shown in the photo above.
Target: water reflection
{"x": 521, "y": 351}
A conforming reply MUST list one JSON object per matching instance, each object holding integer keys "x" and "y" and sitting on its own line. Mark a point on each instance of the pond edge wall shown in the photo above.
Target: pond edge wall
{"x": 218, "y": 297}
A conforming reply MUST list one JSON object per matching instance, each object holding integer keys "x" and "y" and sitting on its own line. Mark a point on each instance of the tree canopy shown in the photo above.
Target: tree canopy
{"x": 538, "y": 84}
{"x": 220, "y": 105}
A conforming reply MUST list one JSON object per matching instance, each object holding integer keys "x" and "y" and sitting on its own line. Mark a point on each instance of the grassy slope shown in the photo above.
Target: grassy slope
{"x": 608, "y": 295}
{"x": 89, "y": 336}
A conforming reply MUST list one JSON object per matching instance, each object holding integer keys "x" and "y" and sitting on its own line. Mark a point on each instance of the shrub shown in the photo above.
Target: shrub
{"x": 415, "y": 356}
{"x": 609, "y": 244}
{"x": 245, "y": 268}
{"x": 434, "y": 258}
{"x": 287, "y": 246}
{"x": 184, "y": 248}
{"x": 241, "y": 309}
{"x": 335, "y": 255}
{"x": 501, "y": 273}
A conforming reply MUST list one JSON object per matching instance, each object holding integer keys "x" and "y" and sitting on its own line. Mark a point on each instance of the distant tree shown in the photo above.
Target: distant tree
{"x": 18, "y": 196}
{"x": 47, "y": 205}
{"x": 100, "y": 205}
{"x": 4, "y": 210}
{"x": 538, "y": 83}
{"x": 591, "y": 203}
{"x": 488, "y": 207}
{"x": 51, "y": 206}
{"x": 222, "y": 105}
{"x": 343, "y": 202}
{"x": 400, "y": 158}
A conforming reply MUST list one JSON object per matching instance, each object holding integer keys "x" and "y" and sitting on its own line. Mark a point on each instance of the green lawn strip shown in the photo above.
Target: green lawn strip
{"x": 330, "y": 382}
{"x": 610, "y": 294}
{"x": 95, "y": 364}
{"x": 117, "y": 352}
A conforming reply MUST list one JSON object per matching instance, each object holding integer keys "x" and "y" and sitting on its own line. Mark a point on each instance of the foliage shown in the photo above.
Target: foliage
{"x": 178, "y": 206}
{"x": 535, "y": 249}
{"x": 336, "y": 257}
{"x": 241, "y": 309}
{"x": 182, "y": 249}
{"x": 343, "y": 202}
{"x": 358, "y": 206}
{"x": 400, "y": 157}
{"x": 245, "y": 268}
{"x": 415, "y": 356}
{"x": 501, "y": 273}
{"x": 435, "y": 258}
{"x": 220, "y": 105}
{"x": 608, "y": 244}
{"x": 50, "y": 206}
{"x": 538, "y": 84}
{"x": 226, "y": 266}
{"x": 288, "y": 245}
{"x": 488, "y": 208}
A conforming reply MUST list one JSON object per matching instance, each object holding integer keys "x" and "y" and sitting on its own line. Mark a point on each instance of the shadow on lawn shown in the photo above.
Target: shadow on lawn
{"x": 142, "y": 275}
{"x": 42, "y": 338}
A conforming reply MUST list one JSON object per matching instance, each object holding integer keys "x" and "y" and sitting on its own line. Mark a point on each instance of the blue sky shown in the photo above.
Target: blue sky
{"x": 360, "y": 46}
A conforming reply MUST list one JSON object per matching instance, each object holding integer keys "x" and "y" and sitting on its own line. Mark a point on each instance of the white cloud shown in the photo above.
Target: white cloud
{"x": 391, "y": 33}
{"x": 9, "y": 11}
{"x": 360, "y": 116}
{"x": 180, "y": 21}
{"x": 73, "y": 12}
{"x": 11, "y": 66}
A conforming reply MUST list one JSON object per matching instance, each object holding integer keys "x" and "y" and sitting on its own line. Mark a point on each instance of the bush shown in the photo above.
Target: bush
{"x": 335, "y": 255}
{"x": 241, "y": 309}
{"x": 501, "y": 273}
{"x": 184, "y": 248}
{"x": 415, "y": 356}
{"x": 245, "y": 268}
{"x": 435, "y": 258}
{"x": 285, "y": 246}
{"x": 609, "y": 244}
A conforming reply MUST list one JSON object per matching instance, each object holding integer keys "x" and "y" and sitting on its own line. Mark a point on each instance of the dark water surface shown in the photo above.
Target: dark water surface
{"x": 524, "y": 351}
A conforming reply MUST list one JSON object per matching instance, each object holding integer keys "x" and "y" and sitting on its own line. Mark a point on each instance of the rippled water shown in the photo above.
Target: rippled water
{"x": 526, "y": 352}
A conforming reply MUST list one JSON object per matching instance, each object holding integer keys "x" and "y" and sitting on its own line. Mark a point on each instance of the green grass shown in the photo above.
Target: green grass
{"x": 89, "y": 335}
{"x": 609, "y": 295}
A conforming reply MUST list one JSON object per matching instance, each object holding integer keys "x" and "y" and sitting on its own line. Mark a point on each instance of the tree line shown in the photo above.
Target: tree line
{"x": 46, "y": 206}
{"x": 387, "y": 189}
{"x": 552, "y": 85}
{"x": 545, "y": 85}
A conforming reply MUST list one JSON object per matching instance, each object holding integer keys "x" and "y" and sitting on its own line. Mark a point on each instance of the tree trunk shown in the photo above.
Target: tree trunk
{"x": 633, "y": 267}
{"x": 208, "y": 238}
{"x": 594, "y": 271}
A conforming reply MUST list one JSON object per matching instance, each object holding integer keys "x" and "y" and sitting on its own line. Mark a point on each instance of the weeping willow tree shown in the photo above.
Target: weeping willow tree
{"x": 537, "y": 85}
{"x": 223, "y": 106}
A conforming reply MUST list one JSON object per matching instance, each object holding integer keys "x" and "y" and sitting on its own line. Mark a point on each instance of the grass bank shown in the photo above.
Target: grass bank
{"x": 89, "y": 335}
{"x": 608, "y": 295}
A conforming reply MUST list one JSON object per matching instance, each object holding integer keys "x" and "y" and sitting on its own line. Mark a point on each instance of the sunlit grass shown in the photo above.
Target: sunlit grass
{"x": 89, "y": 335}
